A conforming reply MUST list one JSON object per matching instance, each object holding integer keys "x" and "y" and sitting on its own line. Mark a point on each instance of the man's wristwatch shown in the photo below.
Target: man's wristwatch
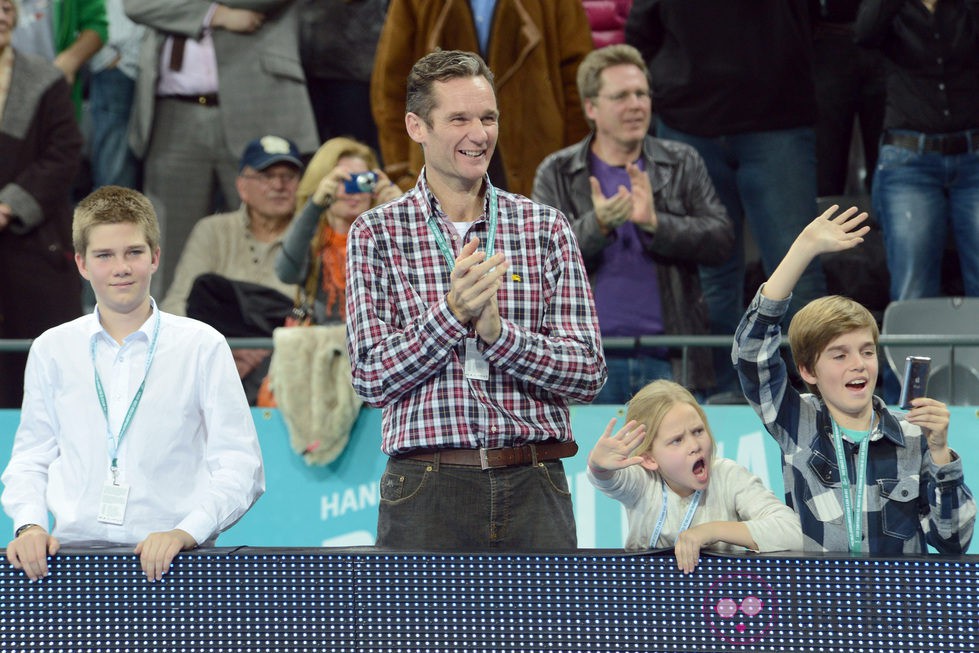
{"x": 22, "y": 529}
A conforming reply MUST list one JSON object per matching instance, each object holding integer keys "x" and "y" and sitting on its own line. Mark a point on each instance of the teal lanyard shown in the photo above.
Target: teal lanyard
{"x": 113, "y": 442}
{"x": 691, "y": 509}
{"x": 443, "y": 244}
{"x": 853, "y": 506}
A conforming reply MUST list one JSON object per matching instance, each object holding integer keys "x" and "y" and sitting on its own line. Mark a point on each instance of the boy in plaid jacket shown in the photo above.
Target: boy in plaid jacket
{"x": 901, "y": 487}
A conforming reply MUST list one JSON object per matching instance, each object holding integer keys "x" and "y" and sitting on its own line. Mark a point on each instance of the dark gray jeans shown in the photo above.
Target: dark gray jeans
{"x": 430, "y": 506}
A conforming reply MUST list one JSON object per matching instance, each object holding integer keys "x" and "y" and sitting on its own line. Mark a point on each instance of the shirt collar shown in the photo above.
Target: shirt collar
{"x": 435, "y": 208}
{"x": 888, "y": 425}
{"x": 145, "y": 331}
{"x": 653, "y": 153}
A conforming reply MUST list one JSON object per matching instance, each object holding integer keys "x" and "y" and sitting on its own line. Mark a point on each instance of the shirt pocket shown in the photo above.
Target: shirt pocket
{"x": 822, "y": 494}
{"x": 899, "y": 506}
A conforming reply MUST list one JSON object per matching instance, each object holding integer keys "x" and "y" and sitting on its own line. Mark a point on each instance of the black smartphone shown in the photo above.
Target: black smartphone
{"x": 916, "y": 370}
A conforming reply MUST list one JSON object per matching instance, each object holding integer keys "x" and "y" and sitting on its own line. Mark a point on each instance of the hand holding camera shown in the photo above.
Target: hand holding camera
{"x": 362, "y": 182}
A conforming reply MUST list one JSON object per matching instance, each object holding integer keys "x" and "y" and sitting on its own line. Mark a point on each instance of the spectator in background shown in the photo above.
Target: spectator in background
{"x": 314, "y": 248}
{"x": 40, "y": 148}
{"x": 534, "y": 46}
{"x": 849, "y": 83}
{"x": 927, "y": 178}
{"x": 65, "y": 32}
{"x": 607, "y": 20}
{"x": 645, "y": 215}
{"x": 111, "y": 88}
{"x": 226, "y": 273}
{"x": 337, "y": 41}
{"x": 734, "y": 80}
{"x": 212, "y": 75}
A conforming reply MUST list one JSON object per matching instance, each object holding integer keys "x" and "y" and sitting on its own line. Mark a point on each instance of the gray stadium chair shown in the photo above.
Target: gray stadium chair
{"x": 954, "y": 377}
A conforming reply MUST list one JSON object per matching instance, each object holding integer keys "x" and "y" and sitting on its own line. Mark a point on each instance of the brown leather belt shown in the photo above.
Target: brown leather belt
{"x": 205, "y": 99}
{"x": 527, "y": 454}
{"x": 948, "y": 144}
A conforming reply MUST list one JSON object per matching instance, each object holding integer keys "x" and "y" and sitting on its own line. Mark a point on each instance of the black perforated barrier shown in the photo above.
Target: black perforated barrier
{"x": 362, "y": 600}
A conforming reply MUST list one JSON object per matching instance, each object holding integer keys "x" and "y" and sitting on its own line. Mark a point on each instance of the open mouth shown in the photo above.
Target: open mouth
{"x": 700, "y": 469}
{"x": 857, "y": 384}
{"x": 472, "y": 154}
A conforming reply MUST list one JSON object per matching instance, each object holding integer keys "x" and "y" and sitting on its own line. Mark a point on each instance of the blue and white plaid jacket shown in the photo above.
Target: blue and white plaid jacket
{"x": 909, "y": 501}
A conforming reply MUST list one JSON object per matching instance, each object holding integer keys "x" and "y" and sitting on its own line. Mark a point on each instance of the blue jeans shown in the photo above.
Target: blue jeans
{"x": 110, "y": 102}
{"x": 918, "y": 196}
{"x": 430, "y": 506}
{"x": 769, "y": 179}
{"x": 627, "y": 376}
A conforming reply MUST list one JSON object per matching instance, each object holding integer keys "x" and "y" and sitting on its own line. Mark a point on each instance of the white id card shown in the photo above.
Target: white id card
{"x": 112, "y": 507}
{"x": 476, "y": 367}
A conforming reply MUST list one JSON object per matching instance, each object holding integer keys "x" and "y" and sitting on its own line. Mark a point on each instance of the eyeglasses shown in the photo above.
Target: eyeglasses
{"x": 267, "y": 178}
{"x": 623, "y": 96}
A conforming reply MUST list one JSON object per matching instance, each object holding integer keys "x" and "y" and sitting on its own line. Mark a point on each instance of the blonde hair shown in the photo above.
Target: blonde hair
{"x": 322, "y": 163}
{"x": 325, "y": 160}
{"x": 822, "y": 321}
{"x": 650, "y": 405}
{"x": 114, "y": 205}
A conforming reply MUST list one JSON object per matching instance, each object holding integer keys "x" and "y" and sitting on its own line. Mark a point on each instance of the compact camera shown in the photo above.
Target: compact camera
{"x": 361, "y": 183}
{"x": 916, "y": 369}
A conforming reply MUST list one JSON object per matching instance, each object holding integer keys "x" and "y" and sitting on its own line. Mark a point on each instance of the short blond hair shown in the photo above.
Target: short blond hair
{"x": 114, "y": 205}
{"x": 650, "y": 405}
{"x": 822, "y": 321}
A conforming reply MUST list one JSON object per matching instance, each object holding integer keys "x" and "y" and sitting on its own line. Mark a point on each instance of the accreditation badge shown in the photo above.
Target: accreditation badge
{"x": 476, "y": 367}
{"x": 112, "y": 506}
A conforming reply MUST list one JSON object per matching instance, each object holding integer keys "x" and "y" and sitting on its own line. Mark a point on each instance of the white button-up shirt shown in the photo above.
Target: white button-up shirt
{"x": 190, "y": 455}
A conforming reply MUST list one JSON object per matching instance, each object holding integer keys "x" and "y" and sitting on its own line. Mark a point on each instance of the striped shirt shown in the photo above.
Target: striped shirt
{"x": 407, "y": 349}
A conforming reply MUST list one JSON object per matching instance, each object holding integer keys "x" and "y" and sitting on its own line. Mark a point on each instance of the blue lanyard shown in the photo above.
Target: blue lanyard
{"x": 112, "y": 441}
{"x": 443, "y": 244}
{"x": 684, "y": 525}
{"x": 853, "y": 506}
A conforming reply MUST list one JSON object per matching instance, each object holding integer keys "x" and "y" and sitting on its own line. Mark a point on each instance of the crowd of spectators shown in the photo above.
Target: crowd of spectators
{"x": 778, "y": 103}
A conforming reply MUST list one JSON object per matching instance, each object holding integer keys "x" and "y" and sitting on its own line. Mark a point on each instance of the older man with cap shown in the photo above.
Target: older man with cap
{"x": 226, "y": 273}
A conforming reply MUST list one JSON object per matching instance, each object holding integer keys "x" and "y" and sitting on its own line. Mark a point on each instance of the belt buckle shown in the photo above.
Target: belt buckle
{"x": 484, "y": 459}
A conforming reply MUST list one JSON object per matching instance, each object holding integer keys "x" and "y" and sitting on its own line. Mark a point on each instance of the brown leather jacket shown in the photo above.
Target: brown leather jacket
{"x": 535, "y": 47}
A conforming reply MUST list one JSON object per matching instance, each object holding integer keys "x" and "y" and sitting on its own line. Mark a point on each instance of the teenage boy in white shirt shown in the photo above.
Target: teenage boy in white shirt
{"x": 134, "y": 429}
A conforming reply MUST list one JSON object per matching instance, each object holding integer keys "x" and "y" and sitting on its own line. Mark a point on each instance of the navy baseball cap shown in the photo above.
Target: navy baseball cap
{"x": 269, "y": 150}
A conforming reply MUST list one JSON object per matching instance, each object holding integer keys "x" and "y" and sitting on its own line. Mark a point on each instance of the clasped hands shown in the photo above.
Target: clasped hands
{"x": 635, "y": 205}
{"x": 472, "y": 296}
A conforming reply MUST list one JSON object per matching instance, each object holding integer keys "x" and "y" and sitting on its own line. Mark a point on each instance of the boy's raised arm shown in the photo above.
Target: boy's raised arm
{"x": 827, "y": 233}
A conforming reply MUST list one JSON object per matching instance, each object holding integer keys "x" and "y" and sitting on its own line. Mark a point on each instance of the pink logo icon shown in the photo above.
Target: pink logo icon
{"x": 740, "y": 608}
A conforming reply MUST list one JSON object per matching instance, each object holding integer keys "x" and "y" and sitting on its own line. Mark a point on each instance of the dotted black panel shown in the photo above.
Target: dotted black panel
{"x": 365, "y": 601}
{"x": 218, "y": 603}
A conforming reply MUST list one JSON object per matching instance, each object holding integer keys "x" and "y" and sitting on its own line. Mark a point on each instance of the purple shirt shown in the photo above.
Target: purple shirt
{"x": 625, "y": 281}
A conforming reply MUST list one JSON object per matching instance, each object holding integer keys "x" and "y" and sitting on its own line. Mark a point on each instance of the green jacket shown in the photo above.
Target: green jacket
{"x": 71, "y": 18}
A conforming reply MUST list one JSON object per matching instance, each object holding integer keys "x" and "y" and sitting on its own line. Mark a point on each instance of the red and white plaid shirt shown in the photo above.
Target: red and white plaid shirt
{"x": 407, "y": 349}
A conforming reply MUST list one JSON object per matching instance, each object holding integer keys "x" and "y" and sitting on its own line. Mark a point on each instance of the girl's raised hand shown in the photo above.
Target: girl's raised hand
{"x": 611, "y": 452}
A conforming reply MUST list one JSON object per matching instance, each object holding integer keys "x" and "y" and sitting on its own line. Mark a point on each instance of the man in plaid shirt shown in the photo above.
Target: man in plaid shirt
{"x": 908, "y": 485}
{"x": 471, "y": 323}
